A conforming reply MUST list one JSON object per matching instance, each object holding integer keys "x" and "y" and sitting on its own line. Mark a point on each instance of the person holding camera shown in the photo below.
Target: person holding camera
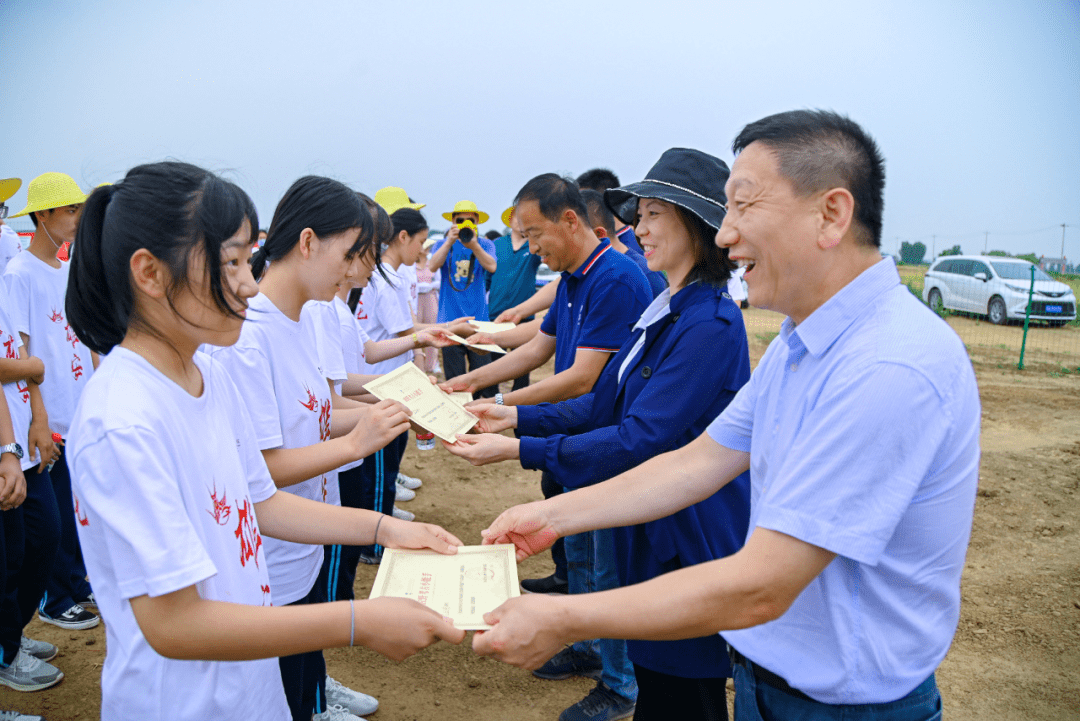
{"x": 464, "y": 259}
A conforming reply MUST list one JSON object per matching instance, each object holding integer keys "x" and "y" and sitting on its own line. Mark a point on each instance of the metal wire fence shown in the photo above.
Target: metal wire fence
{"x": 1028, "y": 321}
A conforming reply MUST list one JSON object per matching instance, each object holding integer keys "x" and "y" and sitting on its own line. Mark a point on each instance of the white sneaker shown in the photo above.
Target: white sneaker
{"x": 335, "y": 713}
{"x": 408, "y": 481}
{"x": 403, "y": 494}
{"x": 16, "y": 716}
{"x": 353, "y": 701}
{"x": 403, "y": 515}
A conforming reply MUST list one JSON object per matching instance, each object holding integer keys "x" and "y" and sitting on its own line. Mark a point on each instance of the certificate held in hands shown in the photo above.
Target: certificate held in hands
{"x": 462, "y": 587}
{"x": 432, "y": 408}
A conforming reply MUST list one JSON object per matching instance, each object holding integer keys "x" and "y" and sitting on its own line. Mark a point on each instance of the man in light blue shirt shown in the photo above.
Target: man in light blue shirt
{"x": 860, "y": 428}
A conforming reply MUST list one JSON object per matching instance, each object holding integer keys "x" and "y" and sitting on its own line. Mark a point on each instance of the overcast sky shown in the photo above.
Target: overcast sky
{"x": 976, "y": 106}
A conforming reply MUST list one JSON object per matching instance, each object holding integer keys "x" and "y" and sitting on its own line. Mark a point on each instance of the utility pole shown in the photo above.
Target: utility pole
{"x": 986, "y": 242}
{"x": 1062, "y": 241}
{"x": 933, "y": 247}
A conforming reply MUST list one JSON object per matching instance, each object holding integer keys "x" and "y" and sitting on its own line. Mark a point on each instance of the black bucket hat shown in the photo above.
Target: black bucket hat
{"x": 688, "y": 178}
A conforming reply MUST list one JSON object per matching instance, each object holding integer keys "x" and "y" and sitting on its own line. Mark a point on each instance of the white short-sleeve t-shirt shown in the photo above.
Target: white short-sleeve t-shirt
{"x": 383, "y": 312}
{"x": 36, "y": 294}
{"x": 16, "y": 392}
{"x": 408, "y": 273}
{"x": 275, "y": 365}
{"x": 331, "y": 346}
{"x": 164, "y": 486}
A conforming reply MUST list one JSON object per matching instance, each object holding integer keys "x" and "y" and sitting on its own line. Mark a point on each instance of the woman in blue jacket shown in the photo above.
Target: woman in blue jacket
{"x": 681, "y": 366}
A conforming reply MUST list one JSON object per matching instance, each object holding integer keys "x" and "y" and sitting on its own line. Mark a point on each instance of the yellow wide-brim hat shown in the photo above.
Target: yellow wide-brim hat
{"x": 394, "y": 199}
{"x": 466, "y": 206}
{"x": 8, "y": 187}
{"x": 507, "y": 216}
{"x": 51, "y": 190}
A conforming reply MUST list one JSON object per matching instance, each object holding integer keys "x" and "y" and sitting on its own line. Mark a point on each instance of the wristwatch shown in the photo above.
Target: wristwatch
{"x": 498, "y": 402}
{"x": 12, "y": 448}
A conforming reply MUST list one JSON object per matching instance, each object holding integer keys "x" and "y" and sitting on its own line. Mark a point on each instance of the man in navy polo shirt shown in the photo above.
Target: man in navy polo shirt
{"x": 464, "y": 260}
{"x": 600, "y": 296}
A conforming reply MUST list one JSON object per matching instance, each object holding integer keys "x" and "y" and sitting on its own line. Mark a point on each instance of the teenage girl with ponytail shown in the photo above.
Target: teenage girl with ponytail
{"x": 176, "y": 507}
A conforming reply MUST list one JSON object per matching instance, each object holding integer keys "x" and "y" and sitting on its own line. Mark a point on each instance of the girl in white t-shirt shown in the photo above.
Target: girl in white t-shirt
{"x": 384, "y": 312}
{"x": 176, "y": 503}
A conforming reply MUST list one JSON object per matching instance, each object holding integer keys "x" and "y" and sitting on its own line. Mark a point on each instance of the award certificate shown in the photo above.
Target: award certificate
{"x": 432, "y": 408}
{"x": 489, "y": 347}
{"x": 462, "y": 397}
{"x": 485, "y": 326}
{"x": 462, "y": 587}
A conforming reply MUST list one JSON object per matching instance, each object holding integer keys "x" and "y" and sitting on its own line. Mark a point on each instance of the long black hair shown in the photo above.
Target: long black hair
{"x": 172, "y": 209}
{"x": 325, "y": 205}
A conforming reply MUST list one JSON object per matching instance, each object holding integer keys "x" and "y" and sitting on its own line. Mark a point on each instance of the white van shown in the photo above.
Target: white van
{"x": 997, "y": 287}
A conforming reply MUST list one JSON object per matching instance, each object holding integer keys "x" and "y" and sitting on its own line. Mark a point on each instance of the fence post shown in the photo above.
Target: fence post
{"x": 1027, "y": 317}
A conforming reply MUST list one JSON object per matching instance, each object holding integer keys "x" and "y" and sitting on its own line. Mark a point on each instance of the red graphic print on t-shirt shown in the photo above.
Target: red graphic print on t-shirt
{"x": 248, "y": 533}
{"x": 312, "y": 402}
{"x": 11, "y": 353}
{"x": 79, "y": 516}
{"x": 221, "y": 509}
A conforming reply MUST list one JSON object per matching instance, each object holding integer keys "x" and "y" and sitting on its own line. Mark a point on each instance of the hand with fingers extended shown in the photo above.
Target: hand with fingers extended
{"x": 493, "y": 417}
{"x": 485, "y": 448}
{"x": 377, "y": 425}
{"x": 527, "y": 526}
{"x": 435, "y": 337}
{"x": 461, "y": 326}
{"x": 457, "y": 384}
{"x": 399, "y": 627}
{"x": 395, "y": 533}
{"x": 526, "y": 631}
{"x": 510, "y": 315}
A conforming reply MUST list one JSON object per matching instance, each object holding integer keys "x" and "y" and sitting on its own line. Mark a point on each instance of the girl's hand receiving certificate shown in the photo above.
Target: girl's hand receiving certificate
{"x": 462, "y": 587}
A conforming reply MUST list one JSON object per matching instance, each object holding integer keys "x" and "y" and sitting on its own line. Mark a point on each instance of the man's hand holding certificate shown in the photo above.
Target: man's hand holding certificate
{"x": 431, "y": 407}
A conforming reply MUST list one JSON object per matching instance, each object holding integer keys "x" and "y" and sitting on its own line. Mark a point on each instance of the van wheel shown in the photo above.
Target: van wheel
{"x": 997, "y": 312}
{"x": 934, "y": 300}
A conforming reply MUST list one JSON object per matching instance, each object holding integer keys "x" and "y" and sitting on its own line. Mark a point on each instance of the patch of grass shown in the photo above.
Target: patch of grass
{"x": 766, "y": 338}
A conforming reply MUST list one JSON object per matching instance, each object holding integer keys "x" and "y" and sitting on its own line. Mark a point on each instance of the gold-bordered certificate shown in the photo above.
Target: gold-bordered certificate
{"x": 462, "y": 587}
{"x": 431, "y": 407}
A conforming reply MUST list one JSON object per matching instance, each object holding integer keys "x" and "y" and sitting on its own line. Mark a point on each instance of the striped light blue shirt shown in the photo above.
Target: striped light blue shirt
{"x": 862, "y": 425}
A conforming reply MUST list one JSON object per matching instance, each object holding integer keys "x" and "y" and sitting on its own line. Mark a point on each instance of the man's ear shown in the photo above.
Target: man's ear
{"x": 837, "y": 208}
{"x": 572, "y": 219}
{"x": 148, "y": 273}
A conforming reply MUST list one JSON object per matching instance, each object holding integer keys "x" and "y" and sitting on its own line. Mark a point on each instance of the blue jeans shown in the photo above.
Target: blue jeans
{"x": 757, "y": 701}
{"x": 590, "y": 559}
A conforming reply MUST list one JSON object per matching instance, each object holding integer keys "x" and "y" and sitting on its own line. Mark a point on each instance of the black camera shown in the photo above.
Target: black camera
{"x": 466, "y": 231}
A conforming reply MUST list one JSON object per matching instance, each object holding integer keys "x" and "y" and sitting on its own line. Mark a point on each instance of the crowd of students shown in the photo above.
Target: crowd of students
{"x": 185, "y": 426}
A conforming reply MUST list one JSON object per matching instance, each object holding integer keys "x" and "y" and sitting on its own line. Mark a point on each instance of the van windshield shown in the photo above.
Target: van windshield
{"x": 1017, "y": 271}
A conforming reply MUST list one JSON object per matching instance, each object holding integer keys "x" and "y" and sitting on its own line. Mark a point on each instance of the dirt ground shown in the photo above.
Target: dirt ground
{"x": 1016, "y": 654}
